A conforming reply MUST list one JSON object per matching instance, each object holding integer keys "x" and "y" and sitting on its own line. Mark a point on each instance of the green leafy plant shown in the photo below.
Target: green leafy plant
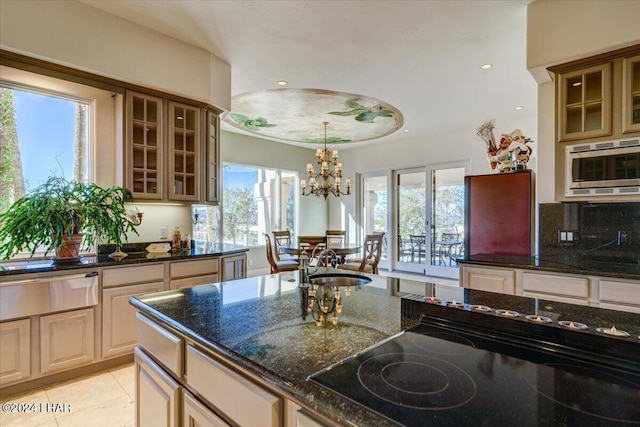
{"x": 362, "y": 113}
{"x": 251, "y": 124}
{"x": 60, "y": 208}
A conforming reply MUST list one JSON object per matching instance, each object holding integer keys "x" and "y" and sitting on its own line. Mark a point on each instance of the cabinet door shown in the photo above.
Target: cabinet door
{"x": 212, "y": 164}
{"x": 195, "y": 414}
{"x": 15, "y": 351}
{"x": 157, "y": 395}
{"x": 584, "y": 103}
{"x": 631, "y": 95}
{"x": 144, "y": 172}
{"x": 118, "y": 316}
{"x": 184, "y": 152}
{"x": 488, "y": 279}
{"x": 234, "y": 267}
{"x": 66, "y": 340}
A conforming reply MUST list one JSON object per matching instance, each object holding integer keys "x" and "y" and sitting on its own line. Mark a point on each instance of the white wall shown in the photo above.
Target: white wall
{"x": 83, "y": 37}
{"x": 563, "y": 31}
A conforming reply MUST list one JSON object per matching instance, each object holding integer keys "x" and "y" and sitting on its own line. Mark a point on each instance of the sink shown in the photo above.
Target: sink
{"x": 338, "y": 280}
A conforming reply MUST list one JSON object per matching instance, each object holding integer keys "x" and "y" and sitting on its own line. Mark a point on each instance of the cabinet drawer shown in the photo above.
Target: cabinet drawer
{"x": 193, "y": 281}
{"x": 246, "y": 403}
{"x": 623, "y": 292}
{"x": 139, "y": 274}
{"x": 555, "y": 297}
{"x": 162, "y": 344}
{"x": 576, "y": 287}
{"x": 488, "y": 279}
{"x": 200, "y": 267}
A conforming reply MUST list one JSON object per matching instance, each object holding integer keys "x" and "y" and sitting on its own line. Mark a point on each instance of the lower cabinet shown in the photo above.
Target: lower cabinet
{"x": 195, "y": 414}
{"x": 118, "y": 317}
{"x": 619, "y": 295}
{"x": 233, "y": 267}
{"x": 184, "y": 274}
{"x": 66, "y": 340}
{"x": 157, "y": 394}
{"x": 488, "y": 279}
{"x": 15, "y": 351}
{"x": 598, "y": 291}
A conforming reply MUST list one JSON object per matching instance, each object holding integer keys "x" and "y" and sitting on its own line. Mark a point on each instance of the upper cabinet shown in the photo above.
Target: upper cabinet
{"x": 631, "y": 94}
{"x": 145, "y": 146}
{"x": 212, "y": 158}
{"x": 171, "y": 150}
{"x": 184, "y": 152}
{"x": 598, "y": 98}
{"x": 584, "y": 103}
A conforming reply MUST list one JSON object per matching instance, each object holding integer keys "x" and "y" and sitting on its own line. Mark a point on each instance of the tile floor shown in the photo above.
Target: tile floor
{"x": 102, "y": 399}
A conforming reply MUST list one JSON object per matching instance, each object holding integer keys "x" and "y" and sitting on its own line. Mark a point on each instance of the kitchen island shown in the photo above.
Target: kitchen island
{"x": 252, "y": 332}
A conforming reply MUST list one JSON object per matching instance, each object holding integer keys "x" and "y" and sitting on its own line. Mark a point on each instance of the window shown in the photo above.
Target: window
{"x": 41, "y": 134}
{"x": 255, "y": 200}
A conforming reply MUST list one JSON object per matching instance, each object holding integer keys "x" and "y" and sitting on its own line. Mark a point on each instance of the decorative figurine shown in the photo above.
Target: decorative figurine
{"x": 511, "y": 154}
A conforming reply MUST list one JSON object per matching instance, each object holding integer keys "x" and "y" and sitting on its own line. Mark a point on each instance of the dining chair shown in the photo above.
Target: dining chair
{"x": 311, "y": 242}
{"x": 278, "y": 266}
{"x": 369, "y": 263}
{"x": 418, "y": 242}
{"x": 336, "y": 237}
{"x": 443, "y": 250}
{"x": 281, "y": 238}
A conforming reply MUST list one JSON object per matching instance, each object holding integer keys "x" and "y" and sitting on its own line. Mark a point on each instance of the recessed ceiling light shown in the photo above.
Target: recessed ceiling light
{"x": 519, "y": 107}
{"x": 283, "y": 133}
{"x": 486, "y": 66}
{"x": 282, "y": 82}
{"x": 577, "y": 84}
{"x": 407, "y": 130}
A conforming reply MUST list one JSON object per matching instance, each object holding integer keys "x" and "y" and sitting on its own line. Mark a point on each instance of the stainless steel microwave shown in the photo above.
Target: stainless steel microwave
{"x": 603, "y": 168}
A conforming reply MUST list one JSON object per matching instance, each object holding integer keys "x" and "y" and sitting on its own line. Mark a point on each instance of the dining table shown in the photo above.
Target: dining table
{"x": 340, "y": 249}
{"x": 444, "y": 249}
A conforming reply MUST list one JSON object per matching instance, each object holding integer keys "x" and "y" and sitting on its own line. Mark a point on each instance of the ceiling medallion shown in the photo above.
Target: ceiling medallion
{"x": 293, "y": 115}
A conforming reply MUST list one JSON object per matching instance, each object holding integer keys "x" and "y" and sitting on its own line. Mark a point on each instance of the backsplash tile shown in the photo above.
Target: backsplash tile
{"x": 595, "y": 227}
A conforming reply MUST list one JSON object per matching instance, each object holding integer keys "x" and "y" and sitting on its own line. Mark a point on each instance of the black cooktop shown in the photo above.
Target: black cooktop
{"x": 432, "y": 375}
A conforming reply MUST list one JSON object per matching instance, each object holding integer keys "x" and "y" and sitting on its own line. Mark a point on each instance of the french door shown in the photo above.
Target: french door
{"x": 429, "y": 219}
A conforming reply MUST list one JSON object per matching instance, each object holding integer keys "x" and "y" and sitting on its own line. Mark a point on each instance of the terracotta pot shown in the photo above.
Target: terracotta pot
{"x": 70, "y": 252}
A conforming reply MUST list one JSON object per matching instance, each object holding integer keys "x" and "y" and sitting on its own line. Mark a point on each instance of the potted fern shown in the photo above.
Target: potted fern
{"x": 60, "y": 215}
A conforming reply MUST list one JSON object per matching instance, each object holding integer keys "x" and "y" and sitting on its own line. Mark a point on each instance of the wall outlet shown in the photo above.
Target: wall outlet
{"x": 163, "y": 232}
{"x": 623, "y": 238}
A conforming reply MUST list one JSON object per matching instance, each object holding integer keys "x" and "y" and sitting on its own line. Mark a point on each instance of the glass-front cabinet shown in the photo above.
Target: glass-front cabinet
{"x": 212, "y": 122}
{"x": 584, "y": 103}
{"x": 184, "y": 152}
{"x": 145, "y": 148}
{"x": 631, "y": 94}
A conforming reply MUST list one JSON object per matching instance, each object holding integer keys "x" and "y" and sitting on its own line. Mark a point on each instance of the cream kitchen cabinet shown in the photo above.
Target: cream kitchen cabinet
{"x": 631, "y": 94}
{"x": 15, "y": 351}
{"x": 66, "y": 340}
{"x": 145, "y": 147}
{"x": 619, "y": 294}
{"x": 195, "y": 414}
{"x": 171, "y": 150}
{"x": 158, "y": 396}
{"x": 488, "y": 279}
{"x": 580, "y": 289}
{"x": 556, "y": 287}
{"x": 584, "y": 103}
{"x": 183, "y": 137}
{"x": 119, "y": 284}
{"x": 185, "y": 274}
{"x": 233, "y": 267}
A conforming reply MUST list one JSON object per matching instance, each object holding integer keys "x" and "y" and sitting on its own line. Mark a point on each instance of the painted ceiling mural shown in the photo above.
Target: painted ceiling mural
{"x": 297, "y": 115}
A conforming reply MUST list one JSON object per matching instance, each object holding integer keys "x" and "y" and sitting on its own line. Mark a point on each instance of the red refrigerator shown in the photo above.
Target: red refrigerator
{"x": 499, "y": 214}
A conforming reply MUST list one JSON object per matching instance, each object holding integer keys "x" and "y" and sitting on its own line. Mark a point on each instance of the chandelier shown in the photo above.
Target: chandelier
{"x": 330, "y": 169}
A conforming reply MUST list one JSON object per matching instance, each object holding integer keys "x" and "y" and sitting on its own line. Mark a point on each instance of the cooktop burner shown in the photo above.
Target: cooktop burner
{"x": 431, "y": 375}
{"x": 416, "y": 381}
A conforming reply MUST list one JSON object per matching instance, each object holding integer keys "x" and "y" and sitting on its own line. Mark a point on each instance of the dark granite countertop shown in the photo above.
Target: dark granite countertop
{"x": 102, "y": 260}
{"x": 256, "y": 324}
{"x": 569, "y": 264}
